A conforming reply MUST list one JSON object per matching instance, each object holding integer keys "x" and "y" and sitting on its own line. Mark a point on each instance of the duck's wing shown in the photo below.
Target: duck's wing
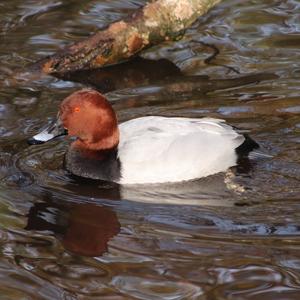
{"x": 158, "y": 149}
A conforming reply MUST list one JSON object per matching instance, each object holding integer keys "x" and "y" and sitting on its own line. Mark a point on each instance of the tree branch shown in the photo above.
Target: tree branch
{"x": 158, "y": 21}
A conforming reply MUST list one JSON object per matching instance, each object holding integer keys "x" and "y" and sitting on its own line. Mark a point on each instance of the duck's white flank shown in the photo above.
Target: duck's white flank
{"x": 159, "y": 149}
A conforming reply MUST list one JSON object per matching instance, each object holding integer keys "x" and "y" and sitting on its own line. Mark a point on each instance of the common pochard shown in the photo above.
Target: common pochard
{"x": 150, "y": 149}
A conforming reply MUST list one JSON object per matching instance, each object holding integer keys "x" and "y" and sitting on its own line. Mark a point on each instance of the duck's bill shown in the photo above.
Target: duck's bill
{"x": 53, "y": 130}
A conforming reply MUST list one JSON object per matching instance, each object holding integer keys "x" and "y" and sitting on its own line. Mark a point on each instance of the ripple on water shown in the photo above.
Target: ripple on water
{"x": 20, "y": 284}
{"x": 72, "y": 273}
{"x": 253, "y": 281}
{"x": 18, "y": 179}
{"x": 148, "y": 288}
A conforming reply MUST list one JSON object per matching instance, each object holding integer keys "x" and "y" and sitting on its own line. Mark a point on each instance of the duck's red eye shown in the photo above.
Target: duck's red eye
{"x": 77, "y": 109}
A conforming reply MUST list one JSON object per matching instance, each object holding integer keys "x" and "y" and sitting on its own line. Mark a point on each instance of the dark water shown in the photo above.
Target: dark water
{"x": 230, "y": 236}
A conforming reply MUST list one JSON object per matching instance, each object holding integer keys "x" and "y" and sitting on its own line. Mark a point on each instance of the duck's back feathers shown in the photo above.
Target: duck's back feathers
{"x": 159, "y": 149}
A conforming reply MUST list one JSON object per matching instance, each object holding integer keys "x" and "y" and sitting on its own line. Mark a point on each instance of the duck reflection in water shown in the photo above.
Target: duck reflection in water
{"x": 84, "y": 229}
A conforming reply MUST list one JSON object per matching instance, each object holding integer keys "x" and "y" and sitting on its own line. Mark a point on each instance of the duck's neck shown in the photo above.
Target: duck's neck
{"x": 99, "y": 149}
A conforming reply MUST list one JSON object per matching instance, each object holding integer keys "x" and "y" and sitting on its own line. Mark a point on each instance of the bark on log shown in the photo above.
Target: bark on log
{"x": 158, "y": 21}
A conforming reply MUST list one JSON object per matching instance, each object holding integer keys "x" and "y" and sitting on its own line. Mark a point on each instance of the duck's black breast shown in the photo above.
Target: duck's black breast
{"x": 103, "y": 165}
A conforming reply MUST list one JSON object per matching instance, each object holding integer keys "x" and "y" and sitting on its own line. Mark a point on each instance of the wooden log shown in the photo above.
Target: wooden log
{"x": 159, "y": 21}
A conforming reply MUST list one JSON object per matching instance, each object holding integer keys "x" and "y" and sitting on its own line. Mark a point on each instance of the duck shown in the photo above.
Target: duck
{"x": 144, "y": 150}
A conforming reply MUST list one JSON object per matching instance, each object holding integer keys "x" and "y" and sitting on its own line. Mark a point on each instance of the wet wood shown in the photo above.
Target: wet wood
{"x": 159, "y": 21}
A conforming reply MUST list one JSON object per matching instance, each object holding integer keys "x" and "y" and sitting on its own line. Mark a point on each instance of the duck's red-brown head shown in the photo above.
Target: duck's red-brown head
{"x": 87, "y": 115}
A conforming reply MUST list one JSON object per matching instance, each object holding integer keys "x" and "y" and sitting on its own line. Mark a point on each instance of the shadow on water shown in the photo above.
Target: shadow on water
{"x": 131, "y": 74}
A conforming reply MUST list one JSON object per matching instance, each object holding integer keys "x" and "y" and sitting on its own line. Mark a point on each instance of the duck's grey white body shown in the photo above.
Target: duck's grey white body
{"x": 158, "y": 149}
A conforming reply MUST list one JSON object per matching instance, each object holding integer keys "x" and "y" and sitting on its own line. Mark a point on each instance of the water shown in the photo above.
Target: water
{"x": 229, "y": 236}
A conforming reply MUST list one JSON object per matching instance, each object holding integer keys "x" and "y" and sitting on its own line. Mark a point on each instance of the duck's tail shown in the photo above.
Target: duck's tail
{"x": 246, "y": 147}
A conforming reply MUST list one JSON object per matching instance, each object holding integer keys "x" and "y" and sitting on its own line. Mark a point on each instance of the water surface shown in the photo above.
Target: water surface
{"x": 229, "y": 236}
